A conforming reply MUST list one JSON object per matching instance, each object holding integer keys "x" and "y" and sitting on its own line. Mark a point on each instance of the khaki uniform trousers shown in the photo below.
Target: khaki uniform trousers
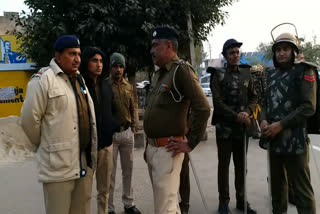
{"x": 296, "y": 167}
{"x": 103, "y": 178}
{"x": 69, "y": 197}
{"x": 164, "y": 171}
{"x": 123, "y": 143}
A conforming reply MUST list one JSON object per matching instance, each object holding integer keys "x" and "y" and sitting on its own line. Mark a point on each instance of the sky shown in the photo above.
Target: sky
{"x": 249, "y": 21}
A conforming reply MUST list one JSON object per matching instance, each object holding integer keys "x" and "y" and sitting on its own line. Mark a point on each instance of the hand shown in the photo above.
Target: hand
{"x": 272, "y": 130}
{"x": 177, "y": 146}
{"x": 263, "y": 125}
{"x": 242, "y": 116}
{"x": 247, "y": 122}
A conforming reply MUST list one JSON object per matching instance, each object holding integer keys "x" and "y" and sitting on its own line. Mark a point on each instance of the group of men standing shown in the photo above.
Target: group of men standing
{"x": 287, "y": 95}
{"x": 80, "y": 123}
{"x": 80, "y": 118}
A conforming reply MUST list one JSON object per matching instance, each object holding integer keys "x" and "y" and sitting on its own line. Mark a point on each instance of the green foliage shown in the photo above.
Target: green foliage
{"x": 200, "y": 56}
{"x": 114, "y": 25}
{"x": 311, "y": 51}
{"x": 266, "y": 49}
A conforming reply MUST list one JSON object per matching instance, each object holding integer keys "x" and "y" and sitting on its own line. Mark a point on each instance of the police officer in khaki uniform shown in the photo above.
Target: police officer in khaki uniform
{"x": 290, "y": 101}
{"x": 58, "y": 117}
{"x": 123, "y": 141}
{"x": 174, "y": 89}
{"x": 234, "y": 100}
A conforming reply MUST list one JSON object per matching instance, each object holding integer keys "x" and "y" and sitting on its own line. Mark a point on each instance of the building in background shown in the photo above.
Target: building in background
{"x": 15, "y": 69}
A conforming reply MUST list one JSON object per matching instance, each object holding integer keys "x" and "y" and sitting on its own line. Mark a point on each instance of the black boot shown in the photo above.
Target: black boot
{"x": 224, "y": 209}
{"x": 240, "y": 206}
{"x": 132, "y": 210}
{"x": 184, "y": 208}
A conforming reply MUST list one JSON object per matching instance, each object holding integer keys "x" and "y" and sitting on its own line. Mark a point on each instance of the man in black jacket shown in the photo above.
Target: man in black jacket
{"x": 95, "y": 73}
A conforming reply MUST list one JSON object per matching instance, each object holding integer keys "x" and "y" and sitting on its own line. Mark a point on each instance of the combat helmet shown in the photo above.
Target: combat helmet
{"x": 287, "y": 37}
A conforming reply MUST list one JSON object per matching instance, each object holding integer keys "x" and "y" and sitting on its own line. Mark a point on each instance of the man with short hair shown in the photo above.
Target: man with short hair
{"x": 234, "y": 100}
{"x": 174, "y": 90}
{"x": 123, "y": 141}
{"x": 58, "y": 117}
{"x": 95, "y": 74}
{"x": 290, "y": 101}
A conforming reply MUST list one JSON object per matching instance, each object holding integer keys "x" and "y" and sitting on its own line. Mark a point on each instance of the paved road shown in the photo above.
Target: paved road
{"x": 210, "y": 101}
{"x": 22, "y": 194}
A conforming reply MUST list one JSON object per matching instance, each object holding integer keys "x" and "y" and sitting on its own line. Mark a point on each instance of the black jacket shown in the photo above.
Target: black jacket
{"x": 104, "y": 110}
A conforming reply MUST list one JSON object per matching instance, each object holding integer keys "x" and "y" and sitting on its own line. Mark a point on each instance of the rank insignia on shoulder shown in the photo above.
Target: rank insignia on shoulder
{"x": 310, "y": 78}
{"x": 39, "y": 73}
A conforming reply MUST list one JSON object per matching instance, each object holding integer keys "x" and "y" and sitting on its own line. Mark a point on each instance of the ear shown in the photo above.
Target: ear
{"x": 57, "y": 56}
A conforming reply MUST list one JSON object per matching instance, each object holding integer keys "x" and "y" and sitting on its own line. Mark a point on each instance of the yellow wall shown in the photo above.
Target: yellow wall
{"x": 18, "y": 80}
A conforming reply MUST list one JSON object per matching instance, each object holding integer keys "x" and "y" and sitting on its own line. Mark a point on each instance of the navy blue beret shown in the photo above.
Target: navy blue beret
{"x": 66, "y": 41}
{"x": 165, "y": 32}
{"x": 230, "y": 43}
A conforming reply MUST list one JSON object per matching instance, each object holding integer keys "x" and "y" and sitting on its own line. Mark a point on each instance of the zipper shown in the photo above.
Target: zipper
{"x": 78, "y": 113}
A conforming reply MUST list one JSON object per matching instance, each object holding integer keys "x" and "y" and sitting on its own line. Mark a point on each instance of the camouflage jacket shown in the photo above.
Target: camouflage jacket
{"x": 260, "y": 84}
{"x": 290, "y": 99}
{"x": 232, "y": 92}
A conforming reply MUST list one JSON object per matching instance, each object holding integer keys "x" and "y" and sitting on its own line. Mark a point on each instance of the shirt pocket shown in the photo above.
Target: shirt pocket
{"x": 127, "y": 97}
{"x": 60, "y": 155}
{"x": 165, "y": 97}
{"x": 57, "y": 101}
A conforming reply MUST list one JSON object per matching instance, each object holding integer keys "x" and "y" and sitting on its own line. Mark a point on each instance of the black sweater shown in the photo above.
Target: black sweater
{"x": 104, "y": 111}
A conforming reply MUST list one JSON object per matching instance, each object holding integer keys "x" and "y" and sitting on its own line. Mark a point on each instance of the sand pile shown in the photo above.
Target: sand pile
{"x": 14, "y": 143}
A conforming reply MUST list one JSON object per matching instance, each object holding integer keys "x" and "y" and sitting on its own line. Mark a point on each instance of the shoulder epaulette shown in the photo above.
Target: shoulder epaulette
{"x": 183, "y": 62}
{"x": 212, "y": 70}
{"x": 313, "y": 65}
{"x": 216, "y": 70}
{"x": 245, "y": 66}
{"x": 40, "y": 72}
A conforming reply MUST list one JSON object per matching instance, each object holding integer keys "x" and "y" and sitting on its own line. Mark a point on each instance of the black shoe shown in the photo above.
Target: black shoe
{"x": 132, "y": 210}
{"x": 291, "y": 199}
{"x": 111, "y": 212}
{"x": 224, "y": 209}
{"x": 240, "y": 206}
{"x": 184, "y": 207}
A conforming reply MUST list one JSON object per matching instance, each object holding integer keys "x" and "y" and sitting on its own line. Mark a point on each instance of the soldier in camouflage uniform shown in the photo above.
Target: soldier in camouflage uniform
{"x": 290, "y": 100}
{"x": 234, "y": 100}
{"x": 259, "y": 82}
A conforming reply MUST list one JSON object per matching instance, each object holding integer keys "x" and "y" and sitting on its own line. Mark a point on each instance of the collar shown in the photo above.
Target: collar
{"x": 56, "y": 69}
{"x": 122, "y": 82}
{"x": 236, "y": 71}
{"x": 169, "y": 64}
